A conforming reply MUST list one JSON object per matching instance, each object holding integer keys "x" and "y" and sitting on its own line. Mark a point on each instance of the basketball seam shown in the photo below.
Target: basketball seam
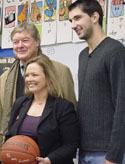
{"x": 19, "y": 137}
{"x": 17, "y": 151}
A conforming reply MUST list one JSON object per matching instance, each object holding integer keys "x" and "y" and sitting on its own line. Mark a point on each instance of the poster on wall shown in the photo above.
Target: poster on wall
{"x": 5, "y": 63}
{"x": 116, "y": 19}
{"x": 35, "y": 16}
{"x": 14, "y": 12}
{"x": 64, "y": 31}
{"x": 22, "y": 11}
{"x": 49, "y": 22}
{"x": 9, "y": 22}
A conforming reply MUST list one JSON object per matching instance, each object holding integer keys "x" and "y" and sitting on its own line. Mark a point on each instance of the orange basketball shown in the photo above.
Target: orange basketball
{"x": 19, "y": 149}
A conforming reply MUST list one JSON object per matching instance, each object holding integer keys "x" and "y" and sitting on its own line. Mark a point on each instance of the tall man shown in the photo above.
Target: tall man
{"x": 26, "y": 44}
{"x": 101, "y": 75}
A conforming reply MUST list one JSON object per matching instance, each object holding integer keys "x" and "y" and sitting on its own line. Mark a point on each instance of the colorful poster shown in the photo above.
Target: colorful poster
{"x": 14, "y": 12}
{"x": 63, "y": 10}
{"x": 64, "y": 31}
{"x": 36, "y": 14}
{"x": 9, "y": 22}
{"x": 36, "y": 8}
{"x": 22, "y": 14}
{"x": 50, "y": 10}
{"x": 49, "y": 22}
{"x": 10, "y": 16}
{"x": 116, "y": 19}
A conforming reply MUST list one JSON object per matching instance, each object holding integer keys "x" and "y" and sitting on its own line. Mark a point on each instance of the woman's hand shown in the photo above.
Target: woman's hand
{"x": 41, "y": 160}
{"x": 108, "y": 162}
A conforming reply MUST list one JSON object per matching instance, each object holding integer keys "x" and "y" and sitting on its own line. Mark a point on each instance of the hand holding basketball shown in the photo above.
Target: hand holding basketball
{"x": 43, "y": 160}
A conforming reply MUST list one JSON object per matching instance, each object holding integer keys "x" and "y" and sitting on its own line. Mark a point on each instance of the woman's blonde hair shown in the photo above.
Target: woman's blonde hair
{"x": 53, "y": 82}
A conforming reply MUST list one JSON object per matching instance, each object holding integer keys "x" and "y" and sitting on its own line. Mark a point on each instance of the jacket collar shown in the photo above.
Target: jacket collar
{"x": 26, "y": 105}
{"x": 48, "y": 108}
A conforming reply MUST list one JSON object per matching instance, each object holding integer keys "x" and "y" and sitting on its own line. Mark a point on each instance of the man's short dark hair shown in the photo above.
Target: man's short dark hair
{"x": 88, "y": 7}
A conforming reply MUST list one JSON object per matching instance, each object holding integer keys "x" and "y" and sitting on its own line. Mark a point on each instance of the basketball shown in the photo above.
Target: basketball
{"x": 20, "y": 149}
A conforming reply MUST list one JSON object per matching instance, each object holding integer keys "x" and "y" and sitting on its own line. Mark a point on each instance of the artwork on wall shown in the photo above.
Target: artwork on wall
{"x": 22, "y": 13}
{"x": 116, "y": 19}
{"x": 51, "y": 19}
{"x": 63, "y": 24}
{"x": 36, "y": 11}
{"x": 35, "y": 16}
{"x": 9, "y": 17}
{"x": 49, "y": 22}
{"x": 63, "y": 10}
{"x": 14, "y": 12}
{"x": 50, "y": 10}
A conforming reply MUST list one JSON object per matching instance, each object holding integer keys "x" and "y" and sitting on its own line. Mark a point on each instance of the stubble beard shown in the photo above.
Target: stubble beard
{"x": 87, "y": 34}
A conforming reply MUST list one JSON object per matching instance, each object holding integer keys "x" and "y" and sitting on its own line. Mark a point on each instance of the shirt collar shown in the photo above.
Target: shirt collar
{"x": 22, "y": 68}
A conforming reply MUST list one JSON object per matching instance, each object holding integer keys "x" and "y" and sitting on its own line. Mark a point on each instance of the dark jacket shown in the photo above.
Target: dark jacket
{"x": 58, "y": 129}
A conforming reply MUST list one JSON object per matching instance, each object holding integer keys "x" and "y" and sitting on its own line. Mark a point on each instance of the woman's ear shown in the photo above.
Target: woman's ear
{"x": 38, "y": 43}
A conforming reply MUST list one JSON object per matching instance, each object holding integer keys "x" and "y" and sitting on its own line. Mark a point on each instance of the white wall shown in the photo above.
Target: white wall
{"x": 67, "y": 54}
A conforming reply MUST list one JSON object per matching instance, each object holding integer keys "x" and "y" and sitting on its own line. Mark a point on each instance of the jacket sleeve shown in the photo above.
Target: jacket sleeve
{"x": 69, "y": 134}
{"x": 1, "y": 138}
{"x": 3, "y": 78}
{"x": 2, "y": 87}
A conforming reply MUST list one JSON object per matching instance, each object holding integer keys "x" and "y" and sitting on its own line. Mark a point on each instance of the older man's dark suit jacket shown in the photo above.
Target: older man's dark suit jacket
{"x": 58, "y": 129}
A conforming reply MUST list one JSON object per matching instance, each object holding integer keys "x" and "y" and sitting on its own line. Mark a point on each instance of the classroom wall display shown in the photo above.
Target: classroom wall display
{"x": 14, "y": 12}
{"x": 51, "y": 19}
{"x": 116, "y": 19}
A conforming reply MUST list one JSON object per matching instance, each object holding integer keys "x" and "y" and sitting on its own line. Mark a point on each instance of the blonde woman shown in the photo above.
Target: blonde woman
{"x": 44, "y": 115}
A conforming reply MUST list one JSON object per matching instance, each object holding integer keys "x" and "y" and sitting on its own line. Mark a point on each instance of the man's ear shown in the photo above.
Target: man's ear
{"x": 95, "y": 17}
